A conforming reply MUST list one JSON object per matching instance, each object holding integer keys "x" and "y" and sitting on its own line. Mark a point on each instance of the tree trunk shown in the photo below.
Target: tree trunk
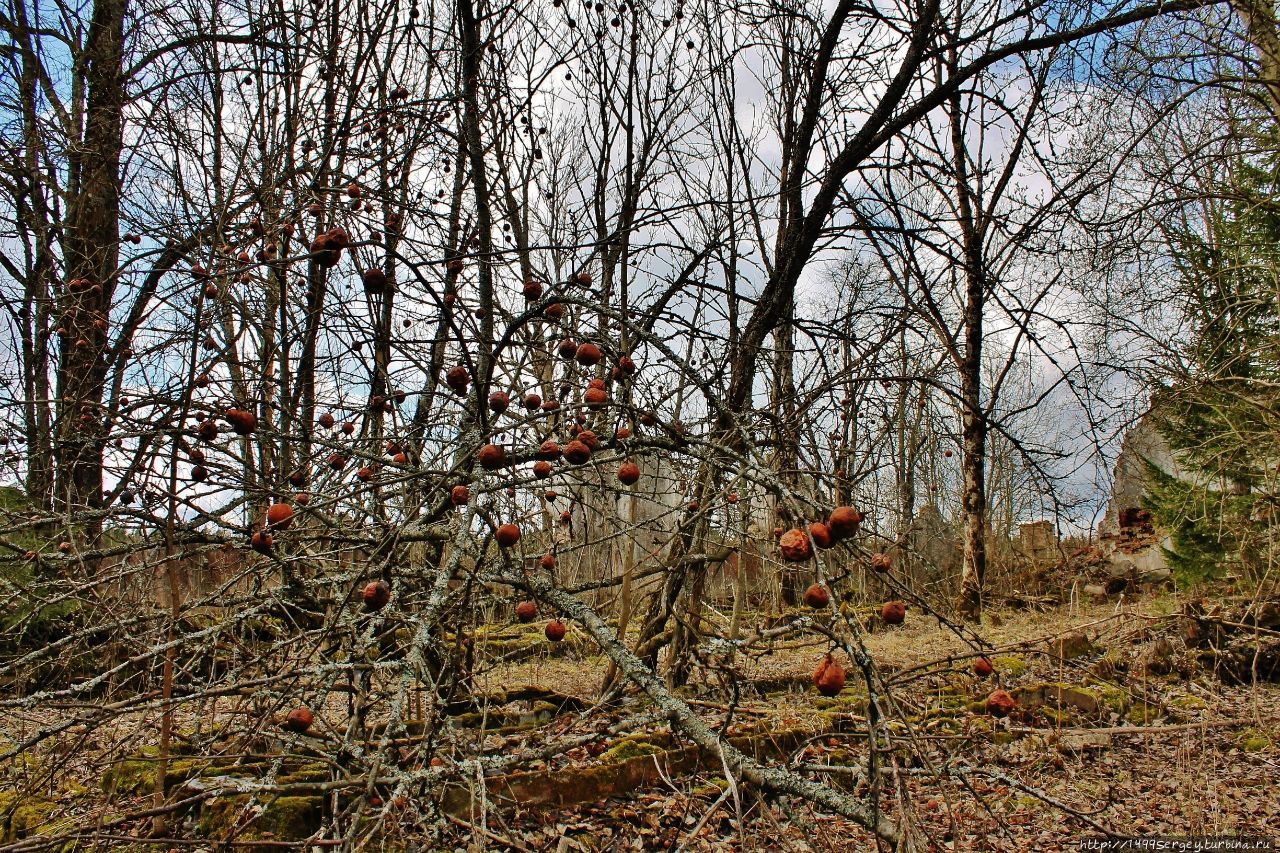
{"x": 973, "y": 499}
{"x": 1260, "y": 18}
{"x": 91, "y": 251}
{"x": 787, "y": 437}
{"x": 33, "y": 213}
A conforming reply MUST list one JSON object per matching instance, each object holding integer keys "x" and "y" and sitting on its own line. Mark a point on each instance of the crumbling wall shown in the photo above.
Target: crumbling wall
{"x": 1129, "y": 478}
{"x": 933, "y": 543}
{"x": 1127, "y": 534}
{"x": 1037, "y": 541}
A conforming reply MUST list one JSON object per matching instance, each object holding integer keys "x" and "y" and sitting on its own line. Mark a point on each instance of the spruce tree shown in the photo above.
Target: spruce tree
{"x": 1220, "y": 413}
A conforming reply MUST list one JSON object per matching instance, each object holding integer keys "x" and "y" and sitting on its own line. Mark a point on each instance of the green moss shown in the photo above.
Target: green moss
{"x": 1092, "y": 701}
{"x": 27, "y": 621}
{"x": 266, "y": 629}
{"x": 1000, "y": 737}
{"x": 19, "y": 765}
{"x": 72, "y": 788}
{"x": 1252, "y": 740}
{"x": 307, "y": 773}
{"x": 1010, "y": 666}
{"x": 848, "y": 701}
{"x": 1181, "y": 708}
{"x": 1115, "y": 698}
{"x": 1056, "y": 717}
{"x": 470, "y": 720}
{"x": 953, "y": 699}
{"x": 711, "y": 788}
{"x": 24, "y": 816}
{"x": 947, "y": 725}
{"x": 628, "y": 748}
{"x": 291, "y": 817}
{"x": 937, "y": 714}
{"x": 131, "y": 776}
{"x": 1142, "y": 714}
{"x": 842, "y": 758}
{"x": 519, "y": 641}
{"x": 1023, "y": 802}
{"x": 137, "y": 774}
{"x": 34, "y": 817}
{"x": 282, "y": 818}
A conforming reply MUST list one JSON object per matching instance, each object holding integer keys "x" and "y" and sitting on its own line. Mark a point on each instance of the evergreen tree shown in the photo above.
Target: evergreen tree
{"x": 1221, "y": 413}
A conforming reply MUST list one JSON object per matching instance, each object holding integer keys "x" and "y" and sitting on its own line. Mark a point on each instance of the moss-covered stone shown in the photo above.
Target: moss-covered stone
{"x": 282, "y": 818}
{"x": 1072, "y": 647}
{"x": 537, "y": 714}
{"x": 653, "y": 757}
{"x": 1181, "y": 708}
{"x": 1187, "y": 702}
{"x": 26, "y": 815}
{"x": 628, "y": 748}
{"x": 1009, "y": 666}
{"x": 1090, "y": 701}
{"x": 411, "y": 728}
{"x": 842, "y": 758}
{"x": 1115, "y": 698}
{"x": 711, "y": 788}
{"x": 1055, "y": 716}
{"x": 500, "y": 720}
{"x": 846, "y": 702}
{"x": 981, "y": 725}
{"x": 291, "y": 817}
{"x": 1252, "y": 740}
{"x": 130, "y": 776}
{"x": 315, "y": 772}
{"x": 1141, "y": 714}
{"x": 137, "y": 774}
{"x": 1111, "y": 663}
{"x": 516, "y": 642}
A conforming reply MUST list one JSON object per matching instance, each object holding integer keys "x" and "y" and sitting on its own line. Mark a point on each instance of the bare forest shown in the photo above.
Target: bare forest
{"x": 558, "y": 425}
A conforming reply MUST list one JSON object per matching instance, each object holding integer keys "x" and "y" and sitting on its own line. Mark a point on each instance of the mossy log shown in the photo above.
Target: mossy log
{"x": 632, "y": 762}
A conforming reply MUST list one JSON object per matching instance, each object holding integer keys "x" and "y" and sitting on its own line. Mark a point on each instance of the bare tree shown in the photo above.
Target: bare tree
{"x": 427, "y": 312}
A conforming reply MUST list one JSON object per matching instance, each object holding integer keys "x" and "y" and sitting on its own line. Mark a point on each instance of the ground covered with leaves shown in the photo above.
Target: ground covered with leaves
{"x": 1122, "y": 725}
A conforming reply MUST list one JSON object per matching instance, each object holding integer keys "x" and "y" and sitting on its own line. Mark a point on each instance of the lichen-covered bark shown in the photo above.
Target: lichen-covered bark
{"x": 682, "y": 716}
